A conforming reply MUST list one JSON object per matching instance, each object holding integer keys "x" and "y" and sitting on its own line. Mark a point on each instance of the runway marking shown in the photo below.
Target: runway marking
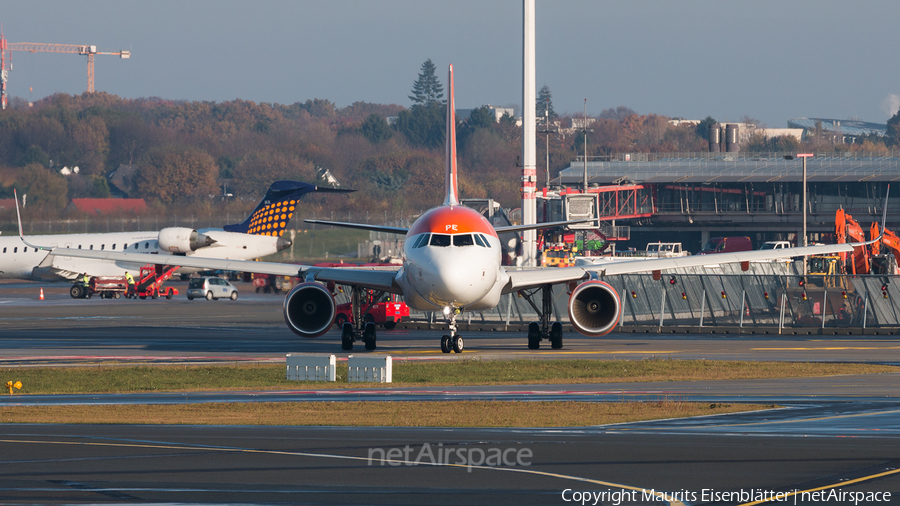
{"x": 522, "y": 352}
{"x": 830, "y": 348}
{"x": 661, "y": 495}
{"x": 819, "y": 419}
{"x": 826, "y": 487}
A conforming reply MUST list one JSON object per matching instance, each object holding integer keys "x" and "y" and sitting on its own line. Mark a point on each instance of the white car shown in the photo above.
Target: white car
{"x": 211, "y": 288}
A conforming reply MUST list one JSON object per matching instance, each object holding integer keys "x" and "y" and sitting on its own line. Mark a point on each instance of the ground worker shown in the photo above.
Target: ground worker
{"x": 85, "y": 280}
{"x": 130, "y": 279}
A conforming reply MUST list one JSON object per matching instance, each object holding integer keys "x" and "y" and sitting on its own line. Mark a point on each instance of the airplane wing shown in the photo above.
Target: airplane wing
{"x": 535, "y": 226}
{"x": 362, "y": 226}
{"x": 401, "y": 230}
{"x": 377, "y": 278}
{"x": 522, "y": 279}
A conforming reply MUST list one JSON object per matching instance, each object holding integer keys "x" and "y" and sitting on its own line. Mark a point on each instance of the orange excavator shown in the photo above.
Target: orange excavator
{"x": 885, "y": 262}
{"x": 845, "y": 227}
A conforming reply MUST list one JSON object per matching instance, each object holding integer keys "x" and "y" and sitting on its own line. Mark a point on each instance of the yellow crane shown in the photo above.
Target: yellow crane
{"x": 37, "y": 47}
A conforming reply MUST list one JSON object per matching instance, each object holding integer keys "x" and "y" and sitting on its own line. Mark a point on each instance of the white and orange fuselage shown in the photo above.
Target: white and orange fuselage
{"x": 452, "y": 259}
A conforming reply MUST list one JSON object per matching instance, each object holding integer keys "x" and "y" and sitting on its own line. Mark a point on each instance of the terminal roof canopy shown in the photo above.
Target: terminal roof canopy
{"x": 731, "y": 168}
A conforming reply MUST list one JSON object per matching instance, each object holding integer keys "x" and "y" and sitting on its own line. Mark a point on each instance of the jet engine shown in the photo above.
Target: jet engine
{"x": 309, "y": 310}
{"x": 594, "y": 308}
{"x": 182, "y": 240}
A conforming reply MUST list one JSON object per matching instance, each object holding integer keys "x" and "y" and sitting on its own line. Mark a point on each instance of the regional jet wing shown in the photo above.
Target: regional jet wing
{"x": 377, "y": 278}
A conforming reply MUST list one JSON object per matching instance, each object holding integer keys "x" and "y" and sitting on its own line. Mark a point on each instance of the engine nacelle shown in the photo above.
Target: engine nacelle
{"x": 594, "y": 308}
{"x": 309, "y": 310}
{"x": 182, "y": 240}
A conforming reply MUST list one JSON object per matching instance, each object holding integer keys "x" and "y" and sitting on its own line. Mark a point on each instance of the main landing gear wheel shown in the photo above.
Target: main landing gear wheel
{"x": 369, "y": 336}
{"x": 347, "y": 336}
{"x": 458, "y": 344}
{"x": 445, "y": 344}
{"x": 556, "y": 336}
{"x": 534, "y": 336}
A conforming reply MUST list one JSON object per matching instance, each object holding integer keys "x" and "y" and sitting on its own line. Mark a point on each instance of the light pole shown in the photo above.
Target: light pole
{"x": 803, "y": 156}
{"x": 547, "y": 131}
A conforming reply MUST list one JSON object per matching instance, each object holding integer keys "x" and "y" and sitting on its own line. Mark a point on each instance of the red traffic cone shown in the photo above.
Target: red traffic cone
{"x": 42, "y": 293}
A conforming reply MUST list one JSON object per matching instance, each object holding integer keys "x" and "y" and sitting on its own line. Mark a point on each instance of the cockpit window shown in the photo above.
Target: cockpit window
{"x": 487, "y": 243}
{"x": 421, "y": 241}
{"x": 478, "y": 240}
{"x": 440, "y": 240}
{"x": 463, "y": 240}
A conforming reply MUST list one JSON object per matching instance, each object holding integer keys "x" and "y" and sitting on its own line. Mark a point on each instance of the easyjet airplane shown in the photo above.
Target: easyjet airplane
{"x": 451, "y": 264}
{"x": 259, "y": 235}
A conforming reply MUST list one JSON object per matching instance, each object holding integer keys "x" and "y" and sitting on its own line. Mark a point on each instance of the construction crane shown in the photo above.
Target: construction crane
{"x": 35, "y": 47}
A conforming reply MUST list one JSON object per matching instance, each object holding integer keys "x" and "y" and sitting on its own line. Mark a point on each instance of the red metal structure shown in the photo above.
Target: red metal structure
{"x": 621, "y": 202}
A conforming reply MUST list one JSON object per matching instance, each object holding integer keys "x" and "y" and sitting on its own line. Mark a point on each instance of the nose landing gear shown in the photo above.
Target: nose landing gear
{"x": 453, "y": 342}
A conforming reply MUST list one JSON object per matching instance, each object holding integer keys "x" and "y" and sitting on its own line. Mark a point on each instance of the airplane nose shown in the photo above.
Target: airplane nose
{"x": 461, "y": 282}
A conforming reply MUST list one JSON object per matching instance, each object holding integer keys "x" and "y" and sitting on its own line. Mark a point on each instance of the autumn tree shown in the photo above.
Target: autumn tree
{"x": 176, "y": 173}
{"x": 427, "y": 89}
{"x": 617, "y": 113}
{"x": 45, "y": 188}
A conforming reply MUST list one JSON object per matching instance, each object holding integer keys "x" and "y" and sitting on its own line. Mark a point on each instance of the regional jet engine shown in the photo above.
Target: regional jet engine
{"x": 594, "y": 308}
{"x": 183, "y": 240}
{"x": 309, "y": 310}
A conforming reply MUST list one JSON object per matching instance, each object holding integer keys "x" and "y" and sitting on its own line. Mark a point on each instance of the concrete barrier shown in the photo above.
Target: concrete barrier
{"x": 311, "y": 367}
{"x": 370, "y": 369}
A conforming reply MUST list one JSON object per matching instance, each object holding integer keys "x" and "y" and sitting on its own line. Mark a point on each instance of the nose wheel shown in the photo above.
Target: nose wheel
{"x": 454, "y": 342}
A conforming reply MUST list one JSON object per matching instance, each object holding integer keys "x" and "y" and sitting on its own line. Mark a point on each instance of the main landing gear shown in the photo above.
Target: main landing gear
{"x": 544, "y": 329}
{"x": 453, "y": 342}
{"x": 358, "y": 329}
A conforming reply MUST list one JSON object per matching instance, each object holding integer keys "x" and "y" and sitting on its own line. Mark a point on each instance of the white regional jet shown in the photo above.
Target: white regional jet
{"x": 451, "y": 263}
{"x": 259, "y": 235}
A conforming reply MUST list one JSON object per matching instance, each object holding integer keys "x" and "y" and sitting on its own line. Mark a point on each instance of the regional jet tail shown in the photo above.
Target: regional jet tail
{"x": 451, "y": 264}
{"x": 257, "y": 236}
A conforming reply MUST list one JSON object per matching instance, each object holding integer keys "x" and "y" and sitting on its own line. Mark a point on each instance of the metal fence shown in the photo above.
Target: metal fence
{"x": 768, "y": 295}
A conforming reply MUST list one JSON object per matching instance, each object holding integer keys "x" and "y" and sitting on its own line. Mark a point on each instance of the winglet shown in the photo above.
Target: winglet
{"x": 19, "y": 218}
{"x": 452, "y": 196}
{"x": 18, "y": 214}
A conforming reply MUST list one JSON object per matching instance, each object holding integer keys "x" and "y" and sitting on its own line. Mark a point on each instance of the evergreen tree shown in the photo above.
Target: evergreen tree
{"x": 427, "y": 90}
{"x": 544, "y": 103}
{"x": 375, "y": 129}
{"x": 892, "y": 136}
{"x": 703, "y": 127}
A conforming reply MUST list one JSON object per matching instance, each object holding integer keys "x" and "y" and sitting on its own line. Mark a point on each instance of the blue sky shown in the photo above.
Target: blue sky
{"x": 766, "y": 59}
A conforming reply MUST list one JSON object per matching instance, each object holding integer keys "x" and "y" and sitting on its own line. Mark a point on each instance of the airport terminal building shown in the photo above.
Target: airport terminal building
{"x": 696, "y": 196}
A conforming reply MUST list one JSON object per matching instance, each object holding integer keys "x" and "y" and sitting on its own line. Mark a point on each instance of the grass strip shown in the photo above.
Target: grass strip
{"x": 389, "y": 414}
{"x": 170, "y": 378}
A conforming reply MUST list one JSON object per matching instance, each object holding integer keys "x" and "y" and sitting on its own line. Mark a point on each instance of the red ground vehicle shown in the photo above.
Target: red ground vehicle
{"x": 150, "y": 282}
{"x": 107, "y": 287}
{"x": 385, "y": 310}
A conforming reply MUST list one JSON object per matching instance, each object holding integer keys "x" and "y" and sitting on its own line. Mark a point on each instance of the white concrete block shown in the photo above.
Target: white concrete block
{"x": 311, "y": 367}
{"x": 370, "y": 369}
